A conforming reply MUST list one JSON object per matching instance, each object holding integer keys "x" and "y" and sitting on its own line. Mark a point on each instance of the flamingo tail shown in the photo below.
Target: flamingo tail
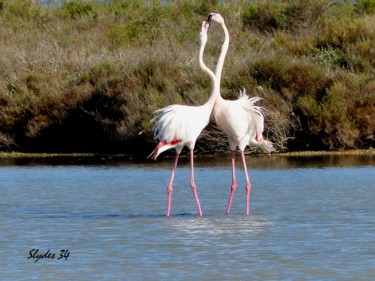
{"x": 267, "y": 146}
{"x": 161, "y": 147}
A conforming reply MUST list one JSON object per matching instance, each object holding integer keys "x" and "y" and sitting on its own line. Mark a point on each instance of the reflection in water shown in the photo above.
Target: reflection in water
{"x": 225, "y": 225}
{"x": 262, "y": 161}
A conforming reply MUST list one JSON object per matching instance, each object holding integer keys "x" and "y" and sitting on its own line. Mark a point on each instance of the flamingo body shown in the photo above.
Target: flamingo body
{"x": 241, "y": 120}
{"x": 229, "y": 116}
{"x": 177, "y": 125}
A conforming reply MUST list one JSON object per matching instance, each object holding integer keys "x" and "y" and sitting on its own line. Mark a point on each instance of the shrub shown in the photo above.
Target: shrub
{"x": 264, "y": 17}
{"x": 21, "y": 9}
{"x": 343, "y": 32}
{"x": 270, "y": 16}
{"x": 75, "y": 9}
{"x": 330, "y": 117}
{"x": 300, "y": 77}
{"x": 365, "y": 6}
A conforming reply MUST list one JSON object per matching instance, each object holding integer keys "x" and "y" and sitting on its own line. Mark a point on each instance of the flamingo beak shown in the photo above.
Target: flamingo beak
{"x": 206, "y": 25}
{"x": 210, "y": 17}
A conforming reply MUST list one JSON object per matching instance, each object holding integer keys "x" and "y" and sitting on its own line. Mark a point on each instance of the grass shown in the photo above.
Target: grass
{"x": 86, "y": 77}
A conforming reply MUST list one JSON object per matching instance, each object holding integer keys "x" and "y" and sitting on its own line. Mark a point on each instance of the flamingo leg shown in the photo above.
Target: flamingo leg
{"x": 192, "y": 182}
{"x": 170, "y": 185}
{"x": 248, "y": 184}
{"x": 234, "y": 183}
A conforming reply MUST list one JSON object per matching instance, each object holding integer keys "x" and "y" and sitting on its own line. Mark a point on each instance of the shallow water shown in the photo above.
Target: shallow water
{"x": 312, "y": 218}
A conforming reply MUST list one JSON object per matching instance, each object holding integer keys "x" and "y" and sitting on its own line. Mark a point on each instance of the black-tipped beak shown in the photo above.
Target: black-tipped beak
{"x": 209, "y": 18}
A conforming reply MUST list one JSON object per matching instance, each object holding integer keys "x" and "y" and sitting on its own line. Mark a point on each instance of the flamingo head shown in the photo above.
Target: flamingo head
{"x": 205, "y": 25}
{"x": 215, "y": 17}
{"x": 203, "y": 33}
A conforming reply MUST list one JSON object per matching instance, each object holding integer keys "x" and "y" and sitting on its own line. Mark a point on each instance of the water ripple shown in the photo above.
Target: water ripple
{"x": 307, "y": 222}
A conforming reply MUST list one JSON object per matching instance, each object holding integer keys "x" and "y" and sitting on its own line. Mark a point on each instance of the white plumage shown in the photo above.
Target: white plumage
{"x": 241, "y": 120}
{"x": 177, "y": 126}
{"x": 230, "y": 116}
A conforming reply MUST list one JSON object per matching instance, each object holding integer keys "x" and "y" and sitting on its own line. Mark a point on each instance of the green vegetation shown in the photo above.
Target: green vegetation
{"x": 86, "y": 77}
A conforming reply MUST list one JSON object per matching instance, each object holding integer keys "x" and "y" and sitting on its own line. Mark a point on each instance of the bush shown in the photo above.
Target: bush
{"x": 343, "y": 32}
{"x": 264, "y": 17}
{"x": 270, "y": 16}
{"x": 75, "y": 9}
{"x": 365, "y": 6}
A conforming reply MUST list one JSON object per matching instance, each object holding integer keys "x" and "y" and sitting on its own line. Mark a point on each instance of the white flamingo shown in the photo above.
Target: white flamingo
{"x": 177, "y": 126}
{"x": 240, "y": 119}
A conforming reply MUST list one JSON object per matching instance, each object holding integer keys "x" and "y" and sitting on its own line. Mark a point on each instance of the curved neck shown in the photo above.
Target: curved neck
{"x": 210, "y": 74}
{"x": 224, "y": 49}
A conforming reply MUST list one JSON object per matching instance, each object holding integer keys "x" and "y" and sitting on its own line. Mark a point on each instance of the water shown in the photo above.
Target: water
{"x": 311, "y": 219}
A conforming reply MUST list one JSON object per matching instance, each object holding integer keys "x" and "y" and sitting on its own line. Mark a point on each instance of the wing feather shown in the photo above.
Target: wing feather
{"x": 179, "y": 122}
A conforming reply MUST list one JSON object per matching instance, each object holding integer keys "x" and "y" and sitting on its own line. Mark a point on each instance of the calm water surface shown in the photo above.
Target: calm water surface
{"x": 311, "y": 218}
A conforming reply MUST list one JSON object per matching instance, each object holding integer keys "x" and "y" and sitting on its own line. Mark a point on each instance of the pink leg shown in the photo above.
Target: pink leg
{"x": 192, "y": 182}
{"x": 170, "y": 184}
{"x": 248, "y": 185}
{"x": 234, "y": 183}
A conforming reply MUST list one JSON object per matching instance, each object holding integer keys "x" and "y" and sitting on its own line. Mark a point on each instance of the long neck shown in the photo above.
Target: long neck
{"x": 224, "y": 49}
{"x": 211, "y": 75}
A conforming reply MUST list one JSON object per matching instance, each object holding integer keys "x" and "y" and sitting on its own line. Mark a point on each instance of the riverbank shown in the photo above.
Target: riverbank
{"x": 10, "y": 155}
{"x": 370, "y": 151}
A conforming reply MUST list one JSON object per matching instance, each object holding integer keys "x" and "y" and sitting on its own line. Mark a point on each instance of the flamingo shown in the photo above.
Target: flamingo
{"x": 177, "y": 125}
{"x": 241, "y": 120}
